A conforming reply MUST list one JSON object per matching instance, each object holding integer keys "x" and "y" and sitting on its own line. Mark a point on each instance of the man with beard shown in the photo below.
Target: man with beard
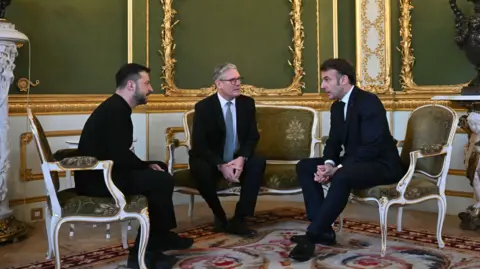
{"x": 224, "y": 138}
{"x": 108, "y": 135}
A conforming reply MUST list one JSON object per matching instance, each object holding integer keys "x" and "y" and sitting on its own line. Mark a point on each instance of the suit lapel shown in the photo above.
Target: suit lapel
{"x": 350, "y": 108}
{"x": 217, "y": 109}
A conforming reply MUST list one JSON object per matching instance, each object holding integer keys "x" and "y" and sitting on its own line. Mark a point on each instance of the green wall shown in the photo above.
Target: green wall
{"x": 77, "y": 45}
{"x": 438, "y": 60}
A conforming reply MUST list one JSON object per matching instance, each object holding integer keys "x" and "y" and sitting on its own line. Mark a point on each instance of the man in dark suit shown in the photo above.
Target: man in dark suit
{"x": 224, "y": 138}
{"x": 108, "y": 135}
{"x": 358, "y": 122}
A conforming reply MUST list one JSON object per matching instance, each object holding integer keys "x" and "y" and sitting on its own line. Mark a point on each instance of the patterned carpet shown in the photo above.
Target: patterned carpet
{"x": 358, "y": 247}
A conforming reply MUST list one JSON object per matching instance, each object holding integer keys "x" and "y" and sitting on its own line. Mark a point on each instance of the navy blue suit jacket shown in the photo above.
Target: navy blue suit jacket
{"x": 364, "y": 134}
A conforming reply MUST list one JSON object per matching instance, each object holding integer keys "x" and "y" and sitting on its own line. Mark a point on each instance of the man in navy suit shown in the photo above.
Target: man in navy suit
{"x": 224, "y": 138}
{"x": 358, "y": 122}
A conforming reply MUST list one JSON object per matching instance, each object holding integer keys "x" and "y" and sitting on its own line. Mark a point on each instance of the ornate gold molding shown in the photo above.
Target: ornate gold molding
{"x": 377, "y": 81}
{"x": 26, "y": 174}
{"x": 408, "y": 59}
{"x": 62, "y": 104}
{"x": 23, "y": 84}
{"x": 168, "y": 69}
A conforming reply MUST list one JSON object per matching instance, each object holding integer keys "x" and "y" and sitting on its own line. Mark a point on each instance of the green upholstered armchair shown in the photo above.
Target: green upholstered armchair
{"x": 66, "y": 206}
{"x": 426, "y": 151}
{"x": 287, "y": 135}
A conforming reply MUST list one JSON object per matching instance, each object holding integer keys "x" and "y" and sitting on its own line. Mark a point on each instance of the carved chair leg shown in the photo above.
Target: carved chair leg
{"x": 124, "y": 227}
{"x": 191, "y": 206}
{"x": 442, "y": 211}
{"x": 383, "y": 212}
{"x": 340, "y": 223}
{"x": 72, "y": 230}
{"x": 50, "y": 223}
{"x": 399, "y": 218}
{"x": 144, "y": 233}
{"x": 56, "y": 246}
{"x": 107, "y": 231}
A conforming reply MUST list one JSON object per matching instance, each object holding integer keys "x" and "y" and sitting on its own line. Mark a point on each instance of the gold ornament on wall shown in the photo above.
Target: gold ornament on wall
{"x": 24, "y": 83}
{"x": 168, "y": 48}
{"x": 408, "y": 59}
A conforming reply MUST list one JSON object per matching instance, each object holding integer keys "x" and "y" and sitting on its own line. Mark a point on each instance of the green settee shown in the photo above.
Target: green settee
{"x": 287, "y": 135}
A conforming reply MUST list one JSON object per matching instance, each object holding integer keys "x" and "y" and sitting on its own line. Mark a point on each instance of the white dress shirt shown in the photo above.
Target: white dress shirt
{"x": 345, "y": 99}
{"x": 233, "y": 109}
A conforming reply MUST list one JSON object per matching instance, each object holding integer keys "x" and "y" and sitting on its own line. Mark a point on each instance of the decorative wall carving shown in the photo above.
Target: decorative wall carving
{"x": 373, "y": 42}
{"x": 408, "y": 59}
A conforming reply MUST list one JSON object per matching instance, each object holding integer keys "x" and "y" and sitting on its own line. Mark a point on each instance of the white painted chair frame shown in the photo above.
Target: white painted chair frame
{"x": 384, "y": 204}
{"x": 53, "y": 214}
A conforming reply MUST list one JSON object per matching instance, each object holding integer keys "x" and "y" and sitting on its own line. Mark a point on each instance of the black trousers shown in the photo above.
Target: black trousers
{"x": 157, "y": 186}
{"x": 207, "y": 177}
{"x": 323, "y": 211}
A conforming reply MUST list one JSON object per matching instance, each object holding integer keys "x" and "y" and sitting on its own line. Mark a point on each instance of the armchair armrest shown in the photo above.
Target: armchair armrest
{"x": 89, "y": 163}
{"x": 424, "y": 152}
{"x": 172, "y": 145}
{"x": 399, "y": 143}
{"x": 324, "y": 139}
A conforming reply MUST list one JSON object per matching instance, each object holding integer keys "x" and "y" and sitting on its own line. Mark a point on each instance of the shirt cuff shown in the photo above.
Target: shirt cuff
{"x": 330, "y": 162}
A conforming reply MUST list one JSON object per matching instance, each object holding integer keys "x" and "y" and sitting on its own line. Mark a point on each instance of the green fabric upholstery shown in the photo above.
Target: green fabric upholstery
{"x": 285, "y": 134}
{"x": 79, "y": 162}
{"x": 74, "y": 205}
{"x": 417, "y": 188}
{"x": 428, "y": 127}
{"x": 277, "y": 176}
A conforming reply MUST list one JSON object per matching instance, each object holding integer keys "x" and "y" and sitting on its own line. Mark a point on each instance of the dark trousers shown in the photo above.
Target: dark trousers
{"x": 207, "y": 177}
{"x": 157, "y": 186}
{"x": 323, "y": 211}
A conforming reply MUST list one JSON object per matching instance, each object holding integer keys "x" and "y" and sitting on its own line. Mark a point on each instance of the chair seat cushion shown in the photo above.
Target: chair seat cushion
{"x": 74, "y": 205}
{"x": 277, "y": 176}
{"x": 417, "y": 188}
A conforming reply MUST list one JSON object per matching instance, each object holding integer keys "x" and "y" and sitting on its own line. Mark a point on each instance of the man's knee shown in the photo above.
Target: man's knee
{"x": 257, "y": 161}
{"x": 163, "y": 181}
{"x": 341, "y": 179}
{"x": 306, "y": 166}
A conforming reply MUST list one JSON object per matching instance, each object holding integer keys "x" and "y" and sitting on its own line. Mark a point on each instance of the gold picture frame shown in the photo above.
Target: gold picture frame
{"x": 168, "y": 69}
{"x": 408, "y": 59}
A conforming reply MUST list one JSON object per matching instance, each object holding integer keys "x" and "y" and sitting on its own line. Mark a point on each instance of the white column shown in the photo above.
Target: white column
{"x": 9, "y": 37}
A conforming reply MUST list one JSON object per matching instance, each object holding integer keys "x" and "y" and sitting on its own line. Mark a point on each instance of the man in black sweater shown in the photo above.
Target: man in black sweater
{"x": 108, "y": 135}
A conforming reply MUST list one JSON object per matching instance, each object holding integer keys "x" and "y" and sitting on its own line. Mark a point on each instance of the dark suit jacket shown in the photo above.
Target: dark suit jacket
{"x": 208, "y": 134}
{"x": 364, "y": 134}
{"x": 108, "y": 135}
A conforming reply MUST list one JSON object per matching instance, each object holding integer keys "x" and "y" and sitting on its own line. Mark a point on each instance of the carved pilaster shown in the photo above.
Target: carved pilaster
{"x": 10, "y": 228}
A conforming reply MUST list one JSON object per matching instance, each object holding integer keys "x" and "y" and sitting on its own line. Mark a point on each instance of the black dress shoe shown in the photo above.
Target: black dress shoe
{"x": 239, "y": 228}
{"x": 303, "y": 251}
{"x": 326, "y": 238}
{"x": 172, "y": 241}
{"x": 153, "y": 259}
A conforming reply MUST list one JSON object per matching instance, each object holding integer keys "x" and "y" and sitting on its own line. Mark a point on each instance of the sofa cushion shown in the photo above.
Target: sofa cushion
{"x": 277, "y": 176}
{"x": 73, "y": 204}
{"x": 417, "y": 188}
